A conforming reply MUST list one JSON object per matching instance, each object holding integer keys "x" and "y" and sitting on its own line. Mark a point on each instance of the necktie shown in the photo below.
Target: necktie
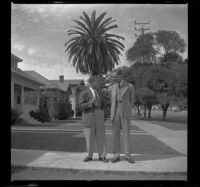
{"x": 97, "y": 98}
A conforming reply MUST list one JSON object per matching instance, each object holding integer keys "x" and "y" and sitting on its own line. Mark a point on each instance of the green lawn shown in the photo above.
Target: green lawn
{"x": 75, "y": 142}
{"x": 175, "y": 120}
{"x": 171, "y": 125}
{"x": 31, "y": 173}
{"x": 176, "y": 117}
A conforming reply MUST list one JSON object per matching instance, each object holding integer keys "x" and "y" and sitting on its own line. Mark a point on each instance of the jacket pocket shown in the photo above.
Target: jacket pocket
{"x": 88, "y": 120}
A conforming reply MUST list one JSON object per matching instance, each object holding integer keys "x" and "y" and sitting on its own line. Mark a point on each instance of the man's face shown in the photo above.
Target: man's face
{"x": 119, "y": 79}
{"x": 94, "y": 84}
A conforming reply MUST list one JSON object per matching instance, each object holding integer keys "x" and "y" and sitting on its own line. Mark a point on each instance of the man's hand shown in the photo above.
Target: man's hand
{"x": 93, "y": 102}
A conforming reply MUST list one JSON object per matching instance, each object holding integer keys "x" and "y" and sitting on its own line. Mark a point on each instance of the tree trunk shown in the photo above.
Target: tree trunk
{"x": 164, "y": 114}
{"x": 165, "y": 107}
{"x": 149, "y": 110}
{"x": 138, "y": 107}
{"x": 145, "y": 111}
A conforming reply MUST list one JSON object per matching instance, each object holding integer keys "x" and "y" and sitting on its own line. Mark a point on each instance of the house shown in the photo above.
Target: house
{"x": 57, "y": 91}
{"x": 70, "y": 86}
{"x": 56, "y": 94}
{"x": 24, "y": 89}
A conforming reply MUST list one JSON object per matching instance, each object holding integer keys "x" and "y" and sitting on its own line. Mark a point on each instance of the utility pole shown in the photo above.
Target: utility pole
{"x": 142, "y": 29}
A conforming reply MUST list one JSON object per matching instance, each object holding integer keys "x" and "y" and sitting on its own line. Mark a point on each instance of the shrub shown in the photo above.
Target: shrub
{"x": 42, "y": 113}
{"x": 43, "y": 106}
{"x": 65, "y": 111}
{"x": 106, "y": 103}
{"x": 42, "y": 116}
{"x": 78, "y": 112}
{"x": 15, "y": 116}
{"x": 32, "y": 113}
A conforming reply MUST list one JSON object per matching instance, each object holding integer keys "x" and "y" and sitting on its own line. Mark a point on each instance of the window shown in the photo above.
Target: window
{"x": 18, "y": 99}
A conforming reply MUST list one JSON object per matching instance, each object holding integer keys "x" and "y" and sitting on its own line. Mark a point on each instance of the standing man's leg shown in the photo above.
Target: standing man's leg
{"x": 116, "y": 140}
{"x": 126, "y": 138}
{"x": 100, "y": 135}
{"x": 89, "y": 136}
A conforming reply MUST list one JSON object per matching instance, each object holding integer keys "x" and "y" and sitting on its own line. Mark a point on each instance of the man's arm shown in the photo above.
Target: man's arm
{"x": 83, "y": 103}
{"x": 132, "y": 95}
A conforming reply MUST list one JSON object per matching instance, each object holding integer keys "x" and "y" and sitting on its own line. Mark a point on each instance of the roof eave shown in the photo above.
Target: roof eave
{"x": 35, "y": 81}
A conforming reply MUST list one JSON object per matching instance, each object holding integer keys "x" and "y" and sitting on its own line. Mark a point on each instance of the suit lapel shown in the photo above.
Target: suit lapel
{"x": 125, "y": 88}
{"x": 115, "y": 91}
{"x": 90, "y": 93}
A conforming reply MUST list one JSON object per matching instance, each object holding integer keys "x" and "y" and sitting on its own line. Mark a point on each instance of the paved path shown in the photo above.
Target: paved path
{"x": 54, "y": 159}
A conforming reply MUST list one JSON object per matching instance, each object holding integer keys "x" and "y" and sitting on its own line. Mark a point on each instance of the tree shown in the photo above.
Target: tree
{"x": 185, "y": 61}
{"x": 93, "y": 50}
{"x": 162, "y": 82}
{"x": 143, "y": 49}
{"x": 138, "y": 74}
{"x": 171, "y": 57}
{"x": 179, "y": 84}
{"x": 172, "y": 44}
{"x": 147, "y": 98}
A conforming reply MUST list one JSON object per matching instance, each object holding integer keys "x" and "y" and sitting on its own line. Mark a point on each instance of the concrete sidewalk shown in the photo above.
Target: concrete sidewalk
{"x": 145, "y": 163}
{"x": 56, "y": 159}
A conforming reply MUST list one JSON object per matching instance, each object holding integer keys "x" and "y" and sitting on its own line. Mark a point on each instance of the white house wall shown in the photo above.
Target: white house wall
{"x": 15, "y": 79}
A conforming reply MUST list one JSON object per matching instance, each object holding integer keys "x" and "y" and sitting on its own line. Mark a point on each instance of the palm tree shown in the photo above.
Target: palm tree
{"x": 92, "y": 50}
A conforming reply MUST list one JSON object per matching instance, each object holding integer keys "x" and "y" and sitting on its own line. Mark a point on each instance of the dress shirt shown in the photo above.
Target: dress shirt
{"x": 93, "y": 93}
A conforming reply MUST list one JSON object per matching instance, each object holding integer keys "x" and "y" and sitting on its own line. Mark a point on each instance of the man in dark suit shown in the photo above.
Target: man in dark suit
{"x": 90, "y": 102}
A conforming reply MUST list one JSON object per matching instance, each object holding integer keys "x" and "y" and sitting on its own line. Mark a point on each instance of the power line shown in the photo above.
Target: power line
{"x": 142, "y": 29}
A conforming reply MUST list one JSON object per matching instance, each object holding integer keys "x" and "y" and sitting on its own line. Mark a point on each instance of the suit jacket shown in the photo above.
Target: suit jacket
{"x": 88, "y": 116}
{"x": 127, "y": 100}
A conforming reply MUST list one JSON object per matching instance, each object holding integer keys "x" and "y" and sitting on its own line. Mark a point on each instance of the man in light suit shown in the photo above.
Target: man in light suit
{"x": 90, "y": 102}
{"x": 122, "y": 99}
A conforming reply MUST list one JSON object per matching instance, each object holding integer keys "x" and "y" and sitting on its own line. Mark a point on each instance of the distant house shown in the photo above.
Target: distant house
{"x": 70, "y": 86}
{"x": 58, "y": 91}
{"x": 24, "y": 88}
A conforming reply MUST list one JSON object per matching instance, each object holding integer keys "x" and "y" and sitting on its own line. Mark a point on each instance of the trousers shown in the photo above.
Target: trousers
{"x": 121, "y": 123}
{"x": 96, "y": 134}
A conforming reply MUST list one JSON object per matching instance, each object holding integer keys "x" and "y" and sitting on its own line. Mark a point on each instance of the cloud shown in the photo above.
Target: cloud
{"x": 58, "y": 10}
{"x": 32, "y": 51}
{"x": 54, "y": 30}
{"x": 51, "y": 72}
{"x": 19, "y": 47}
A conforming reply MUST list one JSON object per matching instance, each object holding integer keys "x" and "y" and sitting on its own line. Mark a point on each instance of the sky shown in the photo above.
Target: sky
{"x": 38, "y": 31}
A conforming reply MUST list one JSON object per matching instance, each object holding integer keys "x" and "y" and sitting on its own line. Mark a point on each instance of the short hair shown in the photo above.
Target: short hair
{"x": 94, "y": 78}
{"x": 82, "y": 83}
{"x": 119, "y": 72}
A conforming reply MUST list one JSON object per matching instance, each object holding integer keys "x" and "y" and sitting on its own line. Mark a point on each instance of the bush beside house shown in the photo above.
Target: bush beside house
{"x": 42, "y": 113}
{"x": 15, "y": 116}
{"x": 61, "y": 110}
{"x": 65, "y": 111}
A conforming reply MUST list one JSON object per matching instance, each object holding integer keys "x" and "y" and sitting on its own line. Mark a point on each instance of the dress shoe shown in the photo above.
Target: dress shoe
{"x": 87, "y": 159}
{"x": 103, "y": 159}
{"x": 117, "y": 159}
{"x": 129, "y": 159}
